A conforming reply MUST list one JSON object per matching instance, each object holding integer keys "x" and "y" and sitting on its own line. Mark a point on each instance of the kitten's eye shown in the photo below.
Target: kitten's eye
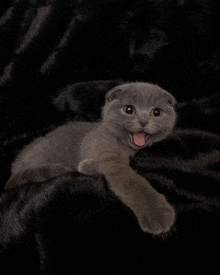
{"x": 157, "y": 112}
{"x": 129, "y": 109}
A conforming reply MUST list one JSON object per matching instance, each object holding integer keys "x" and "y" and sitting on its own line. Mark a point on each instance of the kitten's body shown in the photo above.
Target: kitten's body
{"x": 129, "y": 124}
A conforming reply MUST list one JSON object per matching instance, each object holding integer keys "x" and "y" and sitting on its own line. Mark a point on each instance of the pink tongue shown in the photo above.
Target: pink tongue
{"x": 139, "y": 138}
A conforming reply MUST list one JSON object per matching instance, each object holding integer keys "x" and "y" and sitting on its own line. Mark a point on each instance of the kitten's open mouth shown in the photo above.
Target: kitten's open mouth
{"x": 138, "y": 138}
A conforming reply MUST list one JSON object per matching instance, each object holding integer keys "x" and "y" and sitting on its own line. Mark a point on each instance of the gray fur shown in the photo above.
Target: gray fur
{"x": 105, "y": 148}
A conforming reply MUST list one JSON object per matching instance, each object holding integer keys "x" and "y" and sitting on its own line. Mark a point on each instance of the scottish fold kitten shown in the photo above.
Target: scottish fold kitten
{"x": 134, "y": 116}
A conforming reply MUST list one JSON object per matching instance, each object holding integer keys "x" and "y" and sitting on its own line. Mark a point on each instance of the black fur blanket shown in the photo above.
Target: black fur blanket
{"x": 53, "y": 53}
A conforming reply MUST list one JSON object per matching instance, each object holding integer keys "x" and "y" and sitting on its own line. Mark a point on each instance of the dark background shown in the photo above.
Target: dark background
{"x": 58, "y": 59}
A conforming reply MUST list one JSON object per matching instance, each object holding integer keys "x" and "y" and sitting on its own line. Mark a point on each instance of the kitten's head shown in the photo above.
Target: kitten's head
{"x": 139, "y": 114}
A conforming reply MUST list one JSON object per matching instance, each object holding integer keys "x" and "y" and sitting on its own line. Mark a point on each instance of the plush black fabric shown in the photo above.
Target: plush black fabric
{"x": 58, "y": 59}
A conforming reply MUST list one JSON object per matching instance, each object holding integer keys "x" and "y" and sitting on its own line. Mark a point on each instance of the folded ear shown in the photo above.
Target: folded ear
{"x": 113, "y": 94}
{"x": 171, "y": 99}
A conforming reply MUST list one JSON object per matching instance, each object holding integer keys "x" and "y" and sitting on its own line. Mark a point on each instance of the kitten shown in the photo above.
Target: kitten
{"x": 134, "y": 116}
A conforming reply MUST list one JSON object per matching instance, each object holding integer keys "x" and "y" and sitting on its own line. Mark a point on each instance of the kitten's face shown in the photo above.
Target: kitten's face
{"x": 139, "y": 114}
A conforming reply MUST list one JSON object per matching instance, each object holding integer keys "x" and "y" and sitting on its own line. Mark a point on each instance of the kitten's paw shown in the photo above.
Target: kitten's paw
{"x": 87, "y": 167}
{"x": 159, "y": 219}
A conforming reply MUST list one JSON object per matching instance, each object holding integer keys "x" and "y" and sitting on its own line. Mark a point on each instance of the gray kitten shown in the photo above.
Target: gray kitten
{"x": 134, "y": 116}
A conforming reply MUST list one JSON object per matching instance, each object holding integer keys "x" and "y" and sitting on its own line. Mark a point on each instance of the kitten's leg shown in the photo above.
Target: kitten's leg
{"x": 155, "y": 215}
{"x": 37, "y": 174}
{"x": 88, "y": 167}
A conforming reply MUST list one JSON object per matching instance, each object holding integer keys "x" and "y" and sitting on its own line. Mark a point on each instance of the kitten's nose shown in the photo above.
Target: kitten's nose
{"x": 143, "y": 123}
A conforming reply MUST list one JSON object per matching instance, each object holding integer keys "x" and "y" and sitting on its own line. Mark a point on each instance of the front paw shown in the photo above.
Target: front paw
{"x": 87, "y": 167}
{"x": 157, "y": 218}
